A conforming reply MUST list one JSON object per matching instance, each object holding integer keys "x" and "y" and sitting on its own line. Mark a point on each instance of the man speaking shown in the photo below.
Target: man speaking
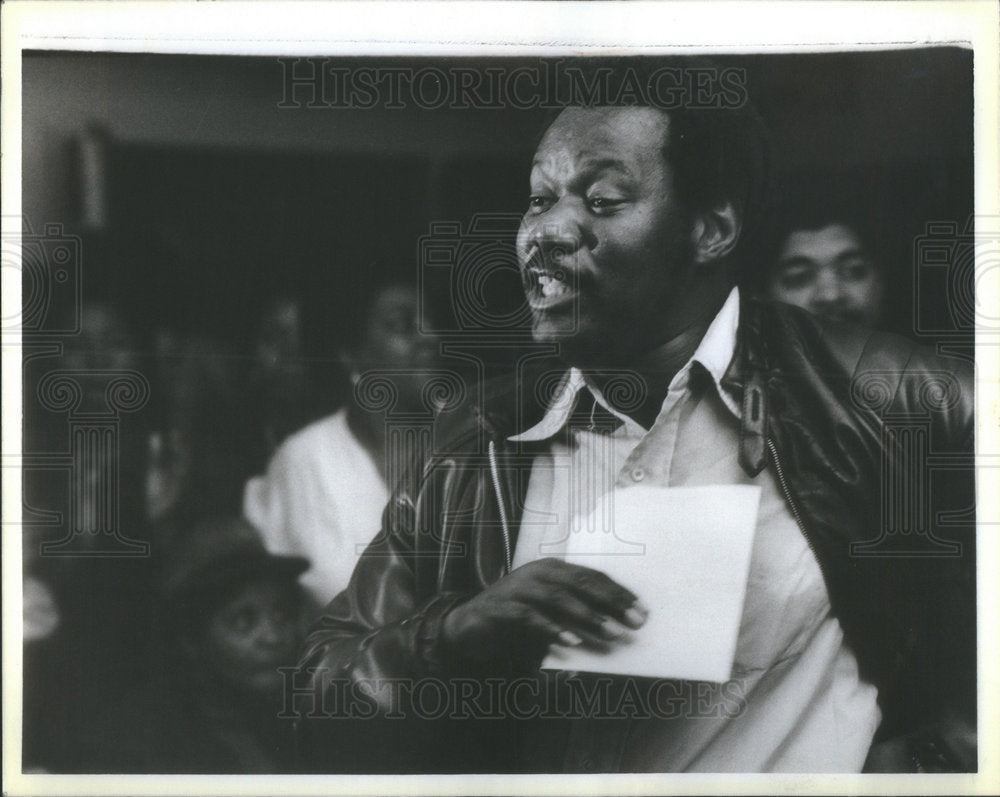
{"x": 854, "y": 641}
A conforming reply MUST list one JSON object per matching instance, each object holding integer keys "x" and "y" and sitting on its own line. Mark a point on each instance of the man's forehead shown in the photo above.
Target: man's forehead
{"x": 605, "y": 133}
{"x": 827, "y": 242}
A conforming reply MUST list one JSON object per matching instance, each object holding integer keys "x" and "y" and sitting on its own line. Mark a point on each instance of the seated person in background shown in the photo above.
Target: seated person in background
{"x": 41, "y": 654}
{"x": 230, "y": 617}
{"x": 197, "y": 462}
{"x": 325, "y": 488}
{"x": 86, "y": 621}
{"x": 823, "y": 265}
{"x": 284, "y": 400}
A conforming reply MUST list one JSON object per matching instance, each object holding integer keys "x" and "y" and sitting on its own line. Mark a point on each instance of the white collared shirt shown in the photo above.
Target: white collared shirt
{"x": 801, "y": 703}
{"x": 322, "y": 498}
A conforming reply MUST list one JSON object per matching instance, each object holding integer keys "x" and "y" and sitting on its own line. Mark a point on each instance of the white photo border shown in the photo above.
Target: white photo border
{"x": 498, "y": 29}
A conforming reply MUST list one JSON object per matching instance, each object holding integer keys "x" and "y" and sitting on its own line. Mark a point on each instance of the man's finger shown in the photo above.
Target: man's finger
{"x": 565, "y": 607}
{"x": 597, "y": 590}
{"x": 537, "y": 624}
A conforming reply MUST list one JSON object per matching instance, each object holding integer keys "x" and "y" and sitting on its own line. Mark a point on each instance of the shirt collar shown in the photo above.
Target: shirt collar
{"x": 714, "y": 354}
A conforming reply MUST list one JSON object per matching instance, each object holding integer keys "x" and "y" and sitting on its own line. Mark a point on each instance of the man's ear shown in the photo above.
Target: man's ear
{"x": 714, "y": 233}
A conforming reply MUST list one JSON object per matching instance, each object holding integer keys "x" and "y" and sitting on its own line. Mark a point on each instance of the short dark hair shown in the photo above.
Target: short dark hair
{"x": 813, "y": 212}
{"x": 715, "y": 154}
{"x": 812, "y": 204}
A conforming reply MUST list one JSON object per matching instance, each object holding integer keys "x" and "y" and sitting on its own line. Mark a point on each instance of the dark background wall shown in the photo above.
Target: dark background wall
{"x": 198, "y": 200}
{"x": 210, "y": 198}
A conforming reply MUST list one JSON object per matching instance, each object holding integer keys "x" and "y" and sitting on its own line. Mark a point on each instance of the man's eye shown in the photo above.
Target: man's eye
{"x": 856, "y": 270}
{"x": 795, "y": 278}
{"x": 539, "y": 203}
{"x": 603, "y": 202}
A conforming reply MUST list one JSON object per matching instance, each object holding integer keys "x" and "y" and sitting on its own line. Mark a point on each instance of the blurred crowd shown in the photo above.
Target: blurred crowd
{"x": 162, "y": 570}
{"x": 256, "y": 487}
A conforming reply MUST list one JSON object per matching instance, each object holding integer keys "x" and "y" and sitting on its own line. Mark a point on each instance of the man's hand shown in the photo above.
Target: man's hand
{"x": 545, "y": 601}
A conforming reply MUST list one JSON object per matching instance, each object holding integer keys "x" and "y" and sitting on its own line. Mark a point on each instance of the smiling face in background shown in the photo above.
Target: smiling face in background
{"x": 828, "y": 272}
{"x": 605, "y": 248}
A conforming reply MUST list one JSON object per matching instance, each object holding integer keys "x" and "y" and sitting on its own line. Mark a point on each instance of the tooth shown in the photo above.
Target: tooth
{"x": 553, "y": 288}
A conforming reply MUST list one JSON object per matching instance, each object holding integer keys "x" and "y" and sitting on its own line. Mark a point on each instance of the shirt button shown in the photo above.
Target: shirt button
{"x": 638, "y": 474}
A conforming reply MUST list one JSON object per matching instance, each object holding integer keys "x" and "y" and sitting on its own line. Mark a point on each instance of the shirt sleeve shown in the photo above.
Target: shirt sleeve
{"x": 265, "y": 504}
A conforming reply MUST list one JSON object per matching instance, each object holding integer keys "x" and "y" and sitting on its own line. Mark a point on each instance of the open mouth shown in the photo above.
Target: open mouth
{"x": 547, "y": 288}
{"x": 548, "y": 281}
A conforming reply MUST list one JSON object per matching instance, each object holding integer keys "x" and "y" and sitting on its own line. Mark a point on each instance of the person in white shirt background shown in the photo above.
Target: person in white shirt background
{"x": 324, "y": 490}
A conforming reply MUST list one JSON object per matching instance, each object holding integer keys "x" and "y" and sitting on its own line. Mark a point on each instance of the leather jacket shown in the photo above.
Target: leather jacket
{"x": 870, "y": 438}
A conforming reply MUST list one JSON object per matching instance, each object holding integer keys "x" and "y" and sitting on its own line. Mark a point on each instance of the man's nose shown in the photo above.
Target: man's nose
{"x": 557, "y": 233}
{"x": 828, "y": 289}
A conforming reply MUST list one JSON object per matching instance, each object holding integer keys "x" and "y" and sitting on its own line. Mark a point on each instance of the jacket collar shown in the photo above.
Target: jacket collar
{"x": 510, "y": 404}
{"x": 714, "y": 353}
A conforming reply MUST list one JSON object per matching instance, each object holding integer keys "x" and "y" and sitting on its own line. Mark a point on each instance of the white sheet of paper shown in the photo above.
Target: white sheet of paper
{"x": 685, "y": 551}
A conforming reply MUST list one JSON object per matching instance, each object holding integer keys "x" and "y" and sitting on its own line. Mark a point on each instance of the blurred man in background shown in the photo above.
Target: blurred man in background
{"x": 824, "y": 265}
{"x": 284, "y": 397}
{"x": 86, "y": 613}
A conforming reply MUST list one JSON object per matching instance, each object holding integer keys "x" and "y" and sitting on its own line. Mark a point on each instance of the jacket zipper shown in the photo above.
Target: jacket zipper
{"x": 495, "y": 473}
{"x": 779, "y": 471}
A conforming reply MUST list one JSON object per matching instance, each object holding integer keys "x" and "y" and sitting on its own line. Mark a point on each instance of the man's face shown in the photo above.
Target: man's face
{"x": 395, "y": 341}
{"x": 829, "y": 273}
{"x": 605, "y": 252}
{"x": 393, "y": 336}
